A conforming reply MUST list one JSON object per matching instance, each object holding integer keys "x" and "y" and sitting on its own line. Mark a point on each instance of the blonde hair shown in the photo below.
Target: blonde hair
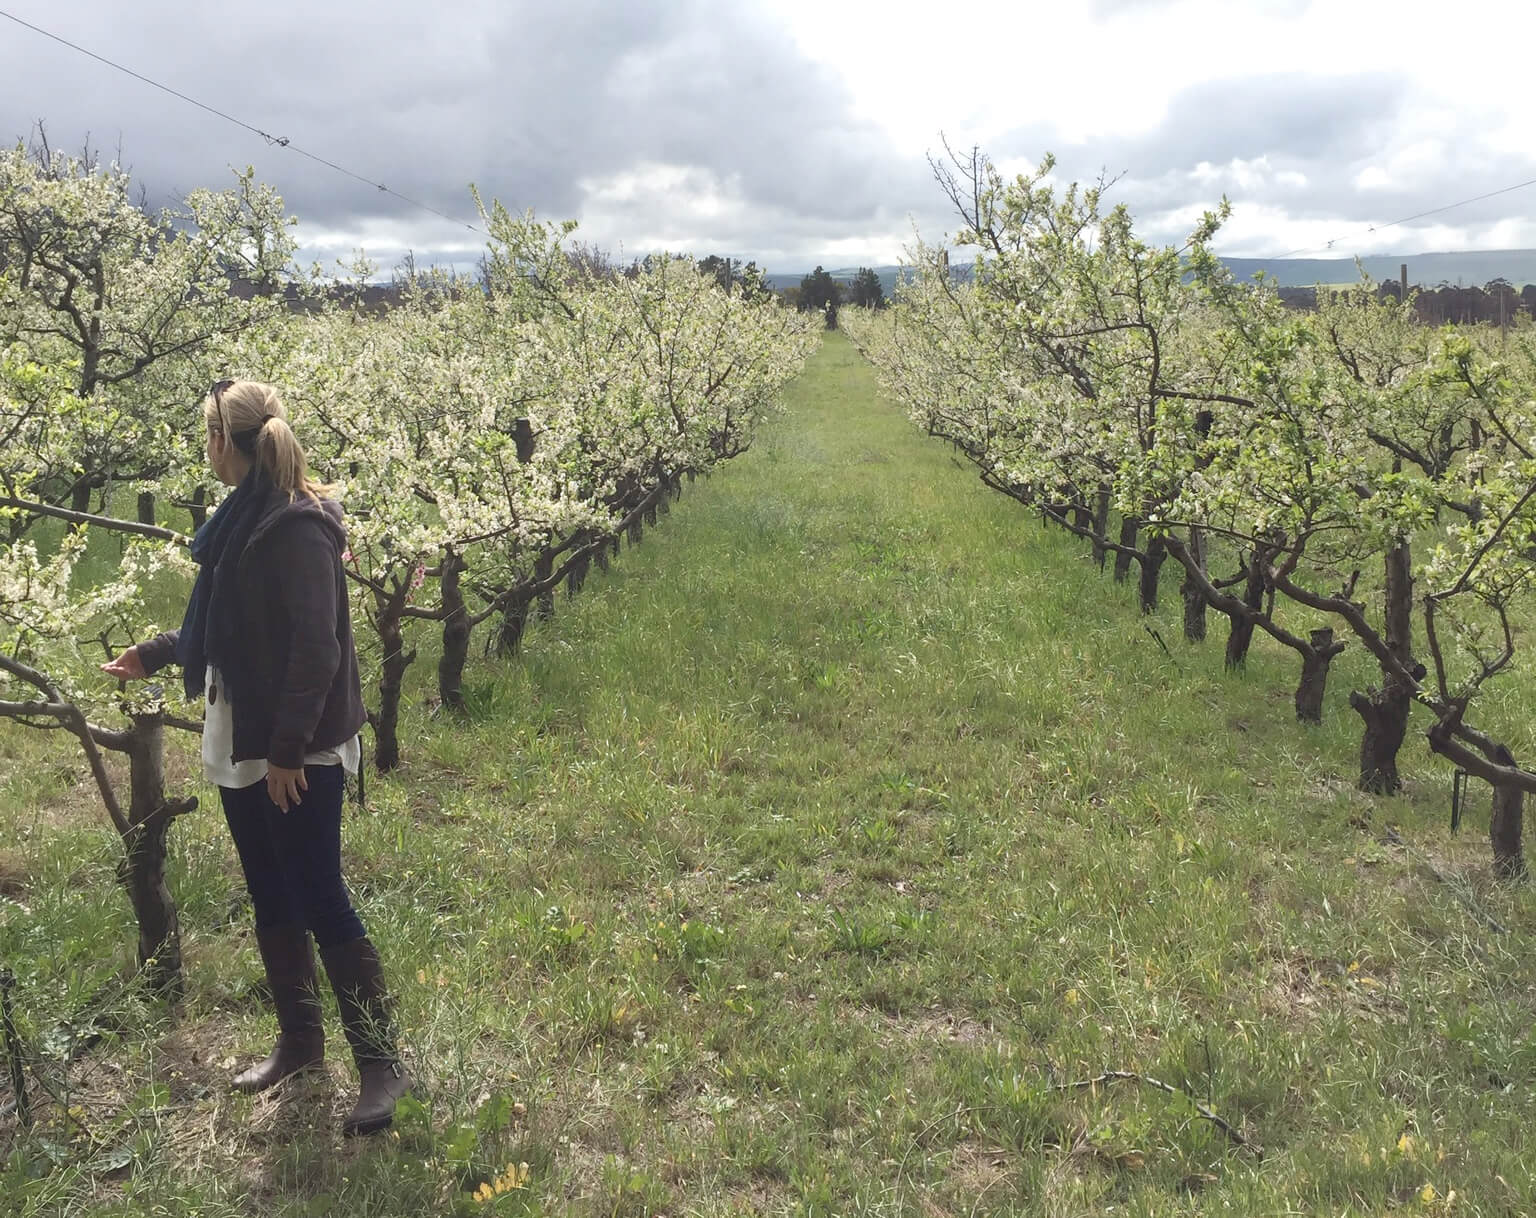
{"x": 253, "y": 418}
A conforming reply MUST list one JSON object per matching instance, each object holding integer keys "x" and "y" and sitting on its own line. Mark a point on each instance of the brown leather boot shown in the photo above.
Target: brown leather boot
{"x": 290, "y": 964}
{"x": 358, "y": 981}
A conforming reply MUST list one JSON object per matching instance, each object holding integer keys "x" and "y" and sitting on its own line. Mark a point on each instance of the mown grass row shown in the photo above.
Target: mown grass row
{"x": 801, "y": 866}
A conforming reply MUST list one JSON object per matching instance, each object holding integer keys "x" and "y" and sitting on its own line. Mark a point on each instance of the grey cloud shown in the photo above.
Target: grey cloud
{"x": 537, "y": 98}
{"x": 1285, "y": 115}
{"x": 1289, "y": 116}
{"x": 532, "y": 99}
{"x": 1313, "y": 136}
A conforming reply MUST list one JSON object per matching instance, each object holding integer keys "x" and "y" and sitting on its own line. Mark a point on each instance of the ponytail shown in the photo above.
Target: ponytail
{"x": 278, "y": 451}
{"x": 253, "y": 417}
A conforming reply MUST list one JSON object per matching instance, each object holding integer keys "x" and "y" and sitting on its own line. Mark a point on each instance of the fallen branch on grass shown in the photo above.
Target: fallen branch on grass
{"x": 1113, "y": 1076}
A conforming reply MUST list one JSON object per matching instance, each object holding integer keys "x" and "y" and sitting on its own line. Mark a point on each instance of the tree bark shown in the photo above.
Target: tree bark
{"x": 146, "y": 507}
{"x": 199, "y": 507}
{"x": 514, "y": 620}
{"x": 1194, "y": 598}
{"x": 1386, "y": 723}
{"x": 576, "y": 577}
{"x": 1100, "y": 525}
{"x": 456, "y": 632}
{"x": 1506, "y": 825}
{"x": 142, "y": 870}
{"x": 1504, "y": 832}
{"x": 1151, "y": 568}
{"x": 543, "y": 568}
{"x": 386, "y": 724}
{"x": 1241, "y": 633}
{"x": 1129, "y": 527}
{"x": 1385, "y": 710}
{"x": 1314, "y": 675}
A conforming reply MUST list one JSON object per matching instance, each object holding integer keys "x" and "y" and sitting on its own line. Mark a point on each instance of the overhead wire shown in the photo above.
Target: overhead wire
{"x": 278, "y": 141}
{"x": 286, "y": 142}
{"x": 1433, "y": 211}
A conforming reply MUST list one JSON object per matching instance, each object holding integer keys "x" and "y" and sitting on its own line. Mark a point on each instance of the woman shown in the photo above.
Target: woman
{"x": 268, "y": 639}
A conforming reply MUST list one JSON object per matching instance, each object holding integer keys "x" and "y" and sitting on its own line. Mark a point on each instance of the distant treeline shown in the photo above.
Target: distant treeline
{"x": 1498, "y": 301}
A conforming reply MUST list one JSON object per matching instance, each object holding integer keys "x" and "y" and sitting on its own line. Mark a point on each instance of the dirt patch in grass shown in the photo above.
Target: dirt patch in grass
{"x": 1304, "y": 988}
{"x": 15, "y": 875}
{"x": 976, "y": 1170}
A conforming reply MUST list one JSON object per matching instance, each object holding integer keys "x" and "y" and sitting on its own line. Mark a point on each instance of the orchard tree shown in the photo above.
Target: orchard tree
{"x": 754, "y": 283}
{"x": 54, "y": 631}
{"x": 1082, "y": 370}
{"x": 127, "y": 301}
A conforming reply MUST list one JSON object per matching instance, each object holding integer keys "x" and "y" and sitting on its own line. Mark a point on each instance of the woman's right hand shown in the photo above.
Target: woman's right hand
{"x": 127, "y": 667}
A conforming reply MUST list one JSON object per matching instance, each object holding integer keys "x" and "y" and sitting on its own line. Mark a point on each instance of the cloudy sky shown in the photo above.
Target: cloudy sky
{"x": 798, "y": 131}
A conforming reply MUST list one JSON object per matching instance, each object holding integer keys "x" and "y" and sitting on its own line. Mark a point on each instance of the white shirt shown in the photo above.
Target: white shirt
{"x": 219, "y": 765}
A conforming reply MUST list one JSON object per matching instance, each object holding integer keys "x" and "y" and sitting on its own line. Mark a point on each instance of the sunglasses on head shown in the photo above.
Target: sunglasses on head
{"x": 217, "y": 392}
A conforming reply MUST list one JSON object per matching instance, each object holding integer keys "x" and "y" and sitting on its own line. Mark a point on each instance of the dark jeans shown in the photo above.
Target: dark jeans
{"x": 292, "y": 860}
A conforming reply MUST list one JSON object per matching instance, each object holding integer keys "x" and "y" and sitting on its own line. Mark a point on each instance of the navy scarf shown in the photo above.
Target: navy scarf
{"x": 211, "y": 627}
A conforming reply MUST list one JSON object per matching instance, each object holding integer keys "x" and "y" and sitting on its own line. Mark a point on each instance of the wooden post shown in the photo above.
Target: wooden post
{"x": 1402, "y": 280}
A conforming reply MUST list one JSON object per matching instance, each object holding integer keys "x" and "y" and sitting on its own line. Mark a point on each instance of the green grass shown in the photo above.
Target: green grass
{"x": 793, "y": 868}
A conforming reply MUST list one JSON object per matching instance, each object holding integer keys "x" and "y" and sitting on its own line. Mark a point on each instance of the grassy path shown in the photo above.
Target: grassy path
{"x": 800, "y": 858}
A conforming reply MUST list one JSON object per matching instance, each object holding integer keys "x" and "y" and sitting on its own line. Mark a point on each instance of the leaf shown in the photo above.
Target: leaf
{"x": 113, "y": 1160}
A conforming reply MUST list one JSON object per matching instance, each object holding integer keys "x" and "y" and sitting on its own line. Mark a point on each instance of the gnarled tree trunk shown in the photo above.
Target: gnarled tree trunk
{"x": 1129, "y": 527}
{"x": 1151, "y": 568}
{"x": 1241, "y": 633}
{"x": 142, "y": 870}
{"x": 576, "y": 577}
{"x": 1194, "y": 598}
{"x": 543, "y": 568}
{"x": 1385, "y": 710}
{"x": 1507, "y": 824}
{"x": 1100, "y": 525}
{"x": 386, "y": 723}
{"x": 1314, "y": 675}
{"x": 514, "y": 620}
{"x": 198, "y": 508}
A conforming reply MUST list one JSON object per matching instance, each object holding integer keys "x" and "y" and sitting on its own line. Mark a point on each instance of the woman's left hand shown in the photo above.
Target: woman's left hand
{"x": 283, "y": 786}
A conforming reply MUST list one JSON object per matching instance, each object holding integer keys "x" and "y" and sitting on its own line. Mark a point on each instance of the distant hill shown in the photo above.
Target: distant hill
{"x": 1469, "y": 269}
{"x": 1472, "y": 268}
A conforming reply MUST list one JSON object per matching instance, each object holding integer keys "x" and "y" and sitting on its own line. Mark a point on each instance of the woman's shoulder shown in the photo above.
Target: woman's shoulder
{"x": 300, "y": 518}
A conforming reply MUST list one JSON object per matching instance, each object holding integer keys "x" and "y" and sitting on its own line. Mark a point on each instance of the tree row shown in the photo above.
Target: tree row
{"x": 1343, "y": 476}
{"x": 490, "y": 441}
